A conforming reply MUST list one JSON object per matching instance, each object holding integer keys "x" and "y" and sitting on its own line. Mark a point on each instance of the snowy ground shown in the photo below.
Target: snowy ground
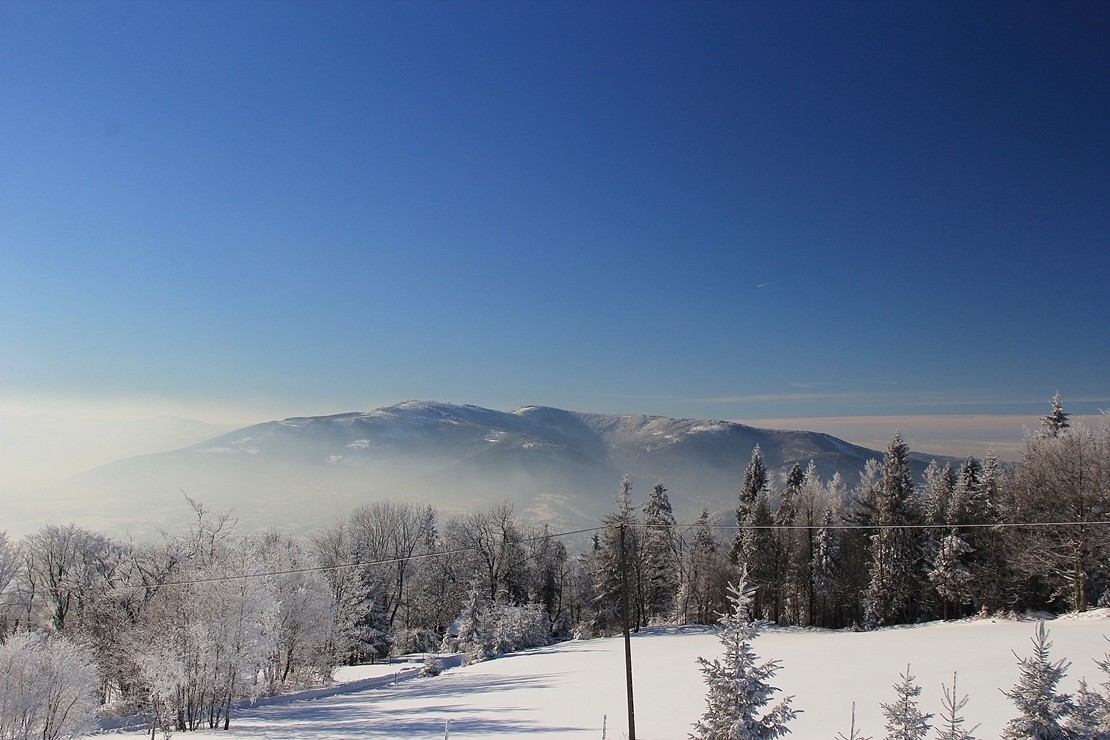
{"x": 568, "y": 690}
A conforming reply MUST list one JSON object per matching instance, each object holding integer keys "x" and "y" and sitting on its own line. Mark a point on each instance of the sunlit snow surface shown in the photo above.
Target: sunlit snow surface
{"x": 568, "y": 690}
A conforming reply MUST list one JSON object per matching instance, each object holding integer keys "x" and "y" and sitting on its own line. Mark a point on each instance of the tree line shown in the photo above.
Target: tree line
{"x": 184, "y": 628}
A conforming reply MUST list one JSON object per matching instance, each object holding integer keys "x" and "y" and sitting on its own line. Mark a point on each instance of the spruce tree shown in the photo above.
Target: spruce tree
{"x": 950, "y": 575}
{"x": 660, "y": 555}
{"x": 607, "y": 585}
{"x": 1042, "y": 711}
{"x": 1056, "y": 422}
{"x": 757, "y": 557}
{"x": 893, "y": 584}
{"x": 755, "y": 483}
{"x": 951, "y": 721}
{"x": 904, "y": 721}
{"x": 738, "y": 688}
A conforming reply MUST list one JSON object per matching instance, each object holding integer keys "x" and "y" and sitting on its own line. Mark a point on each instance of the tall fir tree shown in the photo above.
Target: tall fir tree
{"x": 1055, "y": 423}
{"x": 607, "y": 579}
{"x": 659, "y": 551}
{"x": 755, "y": 483}
{"x": 757, "y": 556}
{"x": 894, "y": 550}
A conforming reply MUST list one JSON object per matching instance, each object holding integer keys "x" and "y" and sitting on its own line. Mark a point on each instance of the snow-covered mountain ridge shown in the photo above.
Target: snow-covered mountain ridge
{"x": 552, "y": 464}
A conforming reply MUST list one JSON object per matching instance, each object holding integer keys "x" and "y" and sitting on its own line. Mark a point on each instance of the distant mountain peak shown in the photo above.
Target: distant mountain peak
{"x": 313, "y": 470}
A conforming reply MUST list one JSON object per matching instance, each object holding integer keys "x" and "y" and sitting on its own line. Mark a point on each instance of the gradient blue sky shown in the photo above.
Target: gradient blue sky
{"x": 733, "y": 210}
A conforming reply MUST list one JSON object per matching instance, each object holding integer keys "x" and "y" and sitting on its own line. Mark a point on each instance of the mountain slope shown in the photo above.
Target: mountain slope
{"x": 562, "y": 466}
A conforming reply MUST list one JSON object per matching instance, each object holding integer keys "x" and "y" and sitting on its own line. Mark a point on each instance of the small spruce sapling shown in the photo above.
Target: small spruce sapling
{"x": 1041, "y": 710}
{"x": 853, "y": 733}
{"x": 738, "y": 687}
{"x": 904, "y": 721}
{"x": 952, "y": 721}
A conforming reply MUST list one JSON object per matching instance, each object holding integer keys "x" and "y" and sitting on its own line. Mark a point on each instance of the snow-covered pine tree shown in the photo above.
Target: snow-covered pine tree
{"x": 951, "y": 721}
{"x": 606, "y": 562}
{"x": 1056, "y": 422}
{"x": 950, "y": 575}
{"x": 1042, "y": 711}
{"x": 738, "y": 688}
{"x": 904, "y": 720}
{"x": 704, "y": 564}
{"x": 757, "y": 557}
{"x": 1088, "y": 714}
{"x": 825, "y": 570}
{"x": 853, "y": 733}
{"x": 659, "y": 551}
{"x": 755, "y": 483}
{"x": 474, "y": 633}
{"x": 894, "y": 549}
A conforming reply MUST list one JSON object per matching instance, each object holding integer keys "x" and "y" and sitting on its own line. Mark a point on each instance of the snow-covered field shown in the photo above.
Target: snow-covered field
{"x": 569, "y": 690}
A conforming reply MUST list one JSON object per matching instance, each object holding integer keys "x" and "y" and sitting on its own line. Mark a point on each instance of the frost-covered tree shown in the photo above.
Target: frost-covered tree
{"x": 388, "y": 535}
{"x": 608, "y": 558}
{"x": 9, "y": 567}
{"x": 1042, "y": 711}
{"x": 474, "y": 636}
{"x": 951, "y": 721}
{"x": 904, "y": 720}
{"x": 659, "y": 553}
{"x": 825, "y": 567}
{"x": 853, "y": 733}
{"x": 303, "y": 615}
{"x": 208, "y": 632}
{"x": 755, "y": 483}
{"x": 1063, "y": 481}
{"x": 47, "y": 688}
{"x": 893, "y": 573}
{"x": 64, "y": 566}
{"x": 1088, "y": 718}
{"x": 1055, "y": 423}
{"x": 950, "y": 575}
{"x": 738, "y": 687}
{"x": 757, "y": 557}
{"x": 705, "y": 569}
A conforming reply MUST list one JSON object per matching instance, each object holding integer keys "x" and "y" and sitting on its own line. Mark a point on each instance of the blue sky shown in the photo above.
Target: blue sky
{"x": 731, "y": 210}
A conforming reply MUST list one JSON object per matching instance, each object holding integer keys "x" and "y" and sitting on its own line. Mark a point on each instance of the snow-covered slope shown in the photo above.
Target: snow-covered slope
{"x": 558, "y": 465}
{"x": 569, "y": 690}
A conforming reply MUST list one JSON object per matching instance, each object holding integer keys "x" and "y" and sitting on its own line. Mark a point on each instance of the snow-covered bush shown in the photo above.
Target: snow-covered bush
{"x": 518, "y": 628}
{"x": 433, "y": 666}
{"x": 47, "y": 688}
{"x": 407, "y": 641}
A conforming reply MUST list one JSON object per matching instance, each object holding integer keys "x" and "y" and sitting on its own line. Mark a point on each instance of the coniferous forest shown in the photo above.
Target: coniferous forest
{"x": 183, "y": 628}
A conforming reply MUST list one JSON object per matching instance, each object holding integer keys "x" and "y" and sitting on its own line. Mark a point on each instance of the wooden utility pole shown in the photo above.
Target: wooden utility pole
{"x": 627, "y": 642}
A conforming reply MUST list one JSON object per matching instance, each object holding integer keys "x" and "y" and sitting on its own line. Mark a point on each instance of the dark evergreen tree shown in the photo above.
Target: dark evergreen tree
{"x": 705, "y": 567}
{"x": 787, "y": 547}
{"x": 1055, "y": 423}
{"x": 894, "y": 550}
{"x": 608, "y": 585}
{"x": 659, "y": 551}
{"x": 757, "y": 555}
{"x": 755, "y": 483}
